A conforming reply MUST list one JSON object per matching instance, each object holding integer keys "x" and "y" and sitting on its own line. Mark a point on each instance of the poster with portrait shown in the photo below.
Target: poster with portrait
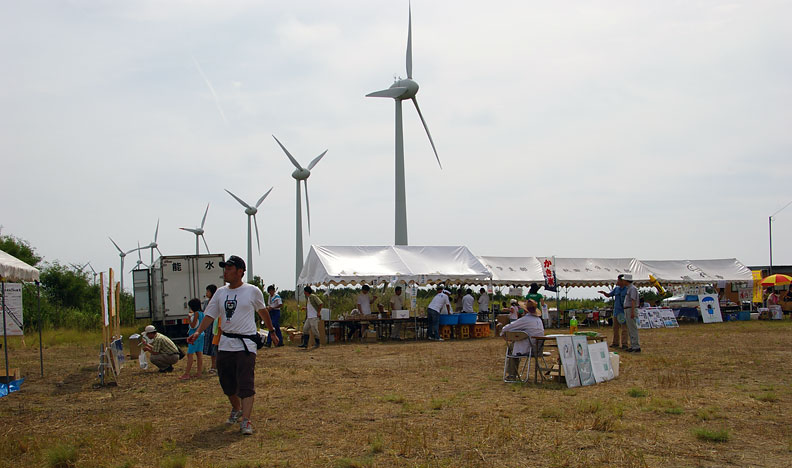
{"x": 13, "y": 309}
{"x": 568, "y": 361}
{"x": 600, "y": 361}
{"x": 710, "y": 308}
{"x": 586, "y": 373}
{"x": 669, "y": 320}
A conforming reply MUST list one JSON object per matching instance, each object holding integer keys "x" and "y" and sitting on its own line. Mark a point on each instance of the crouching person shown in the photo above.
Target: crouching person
{"x": 163, "y": 352}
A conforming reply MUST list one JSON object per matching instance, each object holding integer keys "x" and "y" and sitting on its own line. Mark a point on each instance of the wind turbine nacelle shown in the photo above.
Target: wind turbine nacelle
{"x": 412, "y": 88}
{"x": 301, "y": 174}
{"x": 250, "y": 211}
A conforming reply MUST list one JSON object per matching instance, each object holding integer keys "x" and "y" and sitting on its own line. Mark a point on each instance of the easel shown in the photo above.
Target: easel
{"x": 111, "y": 330}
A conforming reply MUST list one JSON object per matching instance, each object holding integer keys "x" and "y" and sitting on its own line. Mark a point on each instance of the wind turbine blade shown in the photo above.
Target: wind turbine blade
{"x": 263, "y": 197}
{"x": 116, "y": 245}
{"x": 238, "y": 199}
{"x": 207, "y": 245}
{"x": 258, "y": 243}
{"x": 140, "y": 257}
{"x": 194, "y": 231}
{"x": 415, "y": 101}
{"x": 390, "y": 92}
{"x": 156, "y": 232}
{"x": 291, "y": 158}
{"x": 158, "y": 250}
{"x": 204, "y": 218}
{"x": 307, "y": 206}
{"x": 316, "y": 160}
{"x": 409, "y": 44}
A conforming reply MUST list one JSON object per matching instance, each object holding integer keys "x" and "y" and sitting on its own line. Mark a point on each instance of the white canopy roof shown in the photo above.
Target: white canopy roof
{"x": 698, "y": 271}
{"x": 14, "y": 269}
{"x": 514, "y": 271}
{"x": 597, "y": 271}
{"x": 367, "y": 264}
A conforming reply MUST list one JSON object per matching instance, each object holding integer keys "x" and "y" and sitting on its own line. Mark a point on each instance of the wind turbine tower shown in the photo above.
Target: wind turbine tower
{"x": 251, "y": 211}
{"x": 121, "y": 254}
{"x": 400, "y": 90}
{"x": 300, "y": 174}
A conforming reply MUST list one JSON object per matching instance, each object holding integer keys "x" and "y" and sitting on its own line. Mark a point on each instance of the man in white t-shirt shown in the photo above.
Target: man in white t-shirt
{"x": 236, "y": 355}
{"x": 467, "y": 302}
{"x": 396, "y": 303}
{"x": 483, "y": 302}
{"x": 440, "y": 305}
{"x": 364, "y": 300}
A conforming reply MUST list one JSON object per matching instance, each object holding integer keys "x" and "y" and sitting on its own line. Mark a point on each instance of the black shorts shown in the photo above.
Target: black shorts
{"x": 236, "y": 370}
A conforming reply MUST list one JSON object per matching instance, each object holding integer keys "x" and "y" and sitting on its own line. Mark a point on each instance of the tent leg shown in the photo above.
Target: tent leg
{"x": 5, "y": 337}
{"x": 41, "y": 352}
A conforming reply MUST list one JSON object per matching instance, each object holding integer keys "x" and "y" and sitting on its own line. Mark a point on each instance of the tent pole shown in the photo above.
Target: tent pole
{"x": 41, "y": 352}
{"x": 5, "y": 338}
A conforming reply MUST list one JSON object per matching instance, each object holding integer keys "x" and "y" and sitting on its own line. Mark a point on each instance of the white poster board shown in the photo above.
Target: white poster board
{"x": 643, "y": 319}
{"x": 655, "y": 319}
{"x": 669, "y": 320}
{"x": 580, "y": 344}
{"x": 568, "y": 361}
{"x": 710, "y": 308}
{"x": 600, "y": 361}
{"x": 13, "y": 309}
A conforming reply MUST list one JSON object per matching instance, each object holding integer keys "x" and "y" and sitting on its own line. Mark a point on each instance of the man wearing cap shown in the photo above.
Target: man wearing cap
{"x": 631, "y": 300}
{"x": 164, "y": 353}
{"x": 312, "y": 307}
{"x": 440, "y": 304}
{"x": 530, "y": 323}
{"x": 236, "y": 355}
{"x": 619, "y": 320}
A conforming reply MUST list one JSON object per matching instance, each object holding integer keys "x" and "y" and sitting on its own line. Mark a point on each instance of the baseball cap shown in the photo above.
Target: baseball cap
{"x": 627, "y": 277}
{"x": 234, "y": 261}
{"x": 150, "y": 329}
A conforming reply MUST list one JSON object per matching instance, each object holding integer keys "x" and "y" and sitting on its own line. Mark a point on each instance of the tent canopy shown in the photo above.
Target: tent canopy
{"x": 698, "y": 271}
{"x": 598, "y": 271}
{"x": 369, "y": 264}
{"x": 514, "y": 271}
{"x": 14, "y": 269}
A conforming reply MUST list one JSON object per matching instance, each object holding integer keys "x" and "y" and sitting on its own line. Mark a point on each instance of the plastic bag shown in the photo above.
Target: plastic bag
{"x": 143, "y": 361}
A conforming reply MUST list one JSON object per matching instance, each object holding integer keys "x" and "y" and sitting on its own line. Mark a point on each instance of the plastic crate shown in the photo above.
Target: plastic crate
{"x": 744, "y": 315}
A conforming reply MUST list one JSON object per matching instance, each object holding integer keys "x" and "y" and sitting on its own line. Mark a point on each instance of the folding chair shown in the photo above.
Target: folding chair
{"x": 523, "y": 367}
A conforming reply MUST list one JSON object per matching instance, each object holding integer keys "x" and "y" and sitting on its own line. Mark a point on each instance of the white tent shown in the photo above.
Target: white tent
{"x": 369, "y": 264}
{"x": 580, "y": 272}
{"x": 14, "y": 269}
{"x": 698, "y": 271}
{"x": 514, "y": 271}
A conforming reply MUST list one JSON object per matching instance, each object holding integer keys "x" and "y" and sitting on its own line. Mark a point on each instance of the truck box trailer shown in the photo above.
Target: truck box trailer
{"x": 163, "y": 290}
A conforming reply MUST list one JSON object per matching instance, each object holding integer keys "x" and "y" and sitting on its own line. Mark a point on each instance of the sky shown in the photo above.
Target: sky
{"x": 656, "y": 130}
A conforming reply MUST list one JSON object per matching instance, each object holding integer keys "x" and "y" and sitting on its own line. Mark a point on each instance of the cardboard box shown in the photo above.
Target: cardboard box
{"x": 134, "y": 346}
{"x": 12, "y": 371}
{"x": 371, "y": 336}
{"x": 401, "y": 314}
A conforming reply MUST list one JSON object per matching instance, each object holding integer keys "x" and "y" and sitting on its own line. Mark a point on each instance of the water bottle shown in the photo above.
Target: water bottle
{"x": 573, "y": 325}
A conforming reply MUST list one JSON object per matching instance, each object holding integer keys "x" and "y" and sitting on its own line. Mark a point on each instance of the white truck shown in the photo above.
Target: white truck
{"x": 163, "y": 290}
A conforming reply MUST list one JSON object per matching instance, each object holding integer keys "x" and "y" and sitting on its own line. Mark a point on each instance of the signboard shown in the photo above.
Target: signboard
{"x": 643, "y": 319}
{"x": 583, "y": 359}
{"x": 13, "y": 309}
{"x": 669, "y": 320}
{"x": 515, "y": 291}
{"x": 710, "y": 308}
{"x": 548, "y": 270}
{"x": 757, "y": 286}
{"x": 600, "y": 361}
{"x": 568, "y": 361}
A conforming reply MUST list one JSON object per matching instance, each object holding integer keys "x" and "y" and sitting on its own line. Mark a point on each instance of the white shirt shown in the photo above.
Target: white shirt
{"x": 311, "y": 311}
{"x": 364, "y": 303}
{"x": 467, "y": 303}
{"x": 483, "y": 303}
{"x": 238, "y": 308}
{"x": 275, "y": 301}
{"x": 515, "y": 312}
{"x": 439, "y": 303}
{"x": 528, "y": 323}
{"x": 631, "y": 297}
{"x": 397, "y": 302}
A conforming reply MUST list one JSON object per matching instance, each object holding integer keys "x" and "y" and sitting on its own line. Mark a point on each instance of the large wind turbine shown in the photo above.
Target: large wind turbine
{"x": 401, "y": 90}
{"x": 300, "y": 174}
{"x": 139, "y": 260}
{"x": 251, "y": 211}
{"x": 153, "y": 245}
{"x": 199, "y": 232}
{"x": 121, "y": 254}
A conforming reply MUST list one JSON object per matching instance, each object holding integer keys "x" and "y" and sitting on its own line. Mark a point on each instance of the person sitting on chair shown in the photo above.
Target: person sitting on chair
{"x": 530, "y": 323}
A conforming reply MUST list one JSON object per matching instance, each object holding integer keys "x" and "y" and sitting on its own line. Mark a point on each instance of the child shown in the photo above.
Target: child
{"x": 196, "y": 315}
{"x": 211, "y": 334}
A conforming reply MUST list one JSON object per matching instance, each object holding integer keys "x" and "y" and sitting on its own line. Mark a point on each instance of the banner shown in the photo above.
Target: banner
{"x": 757, "y": 286}
{"x": 13, "y": 309}
{"x": 548, "y": 269}
{"x": 103, "y": 299}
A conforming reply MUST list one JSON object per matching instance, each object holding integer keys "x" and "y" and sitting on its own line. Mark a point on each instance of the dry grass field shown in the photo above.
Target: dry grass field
{"x": 700, "y": 396}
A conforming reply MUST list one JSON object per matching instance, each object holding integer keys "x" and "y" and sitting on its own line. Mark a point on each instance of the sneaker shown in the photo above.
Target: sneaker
{"x": 234, "y": 417}
{"x": 634, "y": 350}
{"x": 245, "y": 427}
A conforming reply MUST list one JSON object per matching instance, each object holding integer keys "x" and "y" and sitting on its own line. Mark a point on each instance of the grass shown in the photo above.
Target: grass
{"x": 767, "y": 397}
{"x": 62, "y": 456}
{"x": 711, "y": 435}
{"x": 415, "y": 404}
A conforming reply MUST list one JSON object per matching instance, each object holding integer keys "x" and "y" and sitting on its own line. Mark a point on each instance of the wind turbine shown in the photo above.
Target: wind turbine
{"x": 402, "y": 90}
{"x": 153, "y": 245}
{"x": 199, "y": 232}
{"x": 300, "y": 174}
{"x": 251, "y": 211}
{"x": 139, "y": 260}
{"x": 94, "y": 271}
{"x": 121, "y": 254}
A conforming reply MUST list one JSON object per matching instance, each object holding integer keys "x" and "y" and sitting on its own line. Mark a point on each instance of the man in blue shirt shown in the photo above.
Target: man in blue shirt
{"x": 619, "y": 320}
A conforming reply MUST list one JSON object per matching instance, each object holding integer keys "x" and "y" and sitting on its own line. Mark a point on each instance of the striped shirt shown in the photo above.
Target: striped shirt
{"x": 161, "y": 344}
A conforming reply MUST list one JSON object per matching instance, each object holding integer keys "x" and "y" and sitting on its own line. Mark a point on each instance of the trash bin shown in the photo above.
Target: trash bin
{"x": 134, "y": 346}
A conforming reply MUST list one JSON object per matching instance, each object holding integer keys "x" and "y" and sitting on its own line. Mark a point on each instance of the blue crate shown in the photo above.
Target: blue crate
{"x": 744, "y": 315}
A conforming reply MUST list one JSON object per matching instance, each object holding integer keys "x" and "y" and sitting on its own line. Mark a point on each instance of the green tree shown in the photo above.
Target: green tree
{"x": 20, "y": 249}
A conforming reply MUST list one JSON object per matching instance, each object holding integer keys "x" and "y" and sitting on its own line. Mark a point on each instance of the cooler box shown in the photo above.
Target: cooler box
{"x": 325, "y": 314}
{"x": 401, "y": 314}
{"x": 134, "y": 346}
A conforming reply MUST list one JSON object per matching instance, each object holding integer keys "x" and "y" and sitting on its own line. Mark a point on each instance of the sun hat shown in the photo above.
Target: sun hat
{"x": 627, "y": 277}
{"x": 150, "y": 329}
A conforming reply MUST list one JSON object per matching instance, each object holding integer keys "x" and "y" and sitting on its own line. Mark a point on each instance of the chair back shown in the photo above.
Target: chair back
{"x": 515, "y": 336}
{"x": 503, "y": 319}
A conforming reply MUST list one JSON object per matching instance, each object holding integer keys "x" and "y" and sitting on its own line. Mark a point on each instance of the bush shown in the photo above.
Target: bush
{"x": 62, "y": 456}
{"x": 709, "y": 435}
